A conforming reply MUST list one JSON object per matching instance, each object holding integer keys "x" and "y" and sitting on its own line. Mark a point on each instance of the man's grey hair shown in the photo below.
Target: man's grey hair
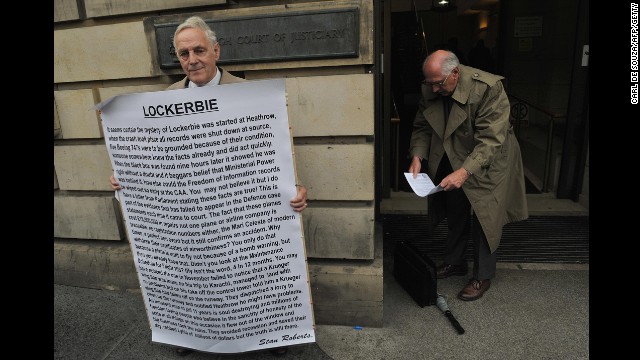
{"x": 196, "y": 22}
{"x": 449, "y": 63}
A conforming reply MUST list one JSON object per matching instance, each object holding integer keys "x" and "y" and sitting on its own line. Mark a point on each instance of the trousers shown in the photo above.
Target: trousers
{"x": 462, "y": 225}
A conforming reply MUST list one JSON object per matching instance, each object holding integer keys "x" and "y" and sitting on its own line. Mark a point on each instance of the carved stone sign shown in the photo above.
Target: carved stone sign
{"x": 276, "y": 37}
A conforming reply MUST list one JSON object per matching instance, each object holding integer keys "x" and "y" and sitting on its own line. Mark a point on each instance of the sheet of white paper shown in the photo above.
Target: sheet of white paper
{"x": 422, "y": 184}
{"x": 206, "y": 176}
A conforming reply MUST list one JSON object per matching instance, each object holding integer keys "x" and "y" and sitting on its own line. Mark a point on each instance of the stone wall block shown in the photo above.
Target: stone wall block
{"x": 100, "y": 8}
{"x": 338, "y": 232}
{"x": 87, "y": 216}
{"x": 65, "y": 10}
{"x": 82, "y": 167}
{"x": 76, "y": 114}
{"x": 103, "y": 52}
{"x": 95, "y": 265}
{"x": 344, "y": 107}
{"x": 336, "y": 171}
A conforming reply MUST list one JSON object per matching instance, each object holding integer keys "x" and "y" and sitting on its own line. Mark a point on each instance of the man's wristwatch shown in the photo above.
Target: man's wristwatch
{"x": 468, "y": 172}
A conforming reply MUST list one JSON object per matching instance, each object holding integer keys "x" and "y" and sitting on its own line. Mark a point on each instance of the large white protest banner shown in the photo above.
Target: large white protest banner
{"x": 207, "y": 174}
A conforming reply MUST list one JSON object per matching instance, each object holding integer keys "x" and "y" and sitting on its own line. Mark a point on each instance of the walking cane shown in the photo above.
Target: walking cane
{"x": 441, "y": 302}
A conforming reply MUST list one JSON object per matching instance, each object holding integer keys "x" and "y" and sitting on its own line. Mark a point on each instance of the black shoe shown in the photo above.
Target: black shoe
{"x": 183, "y": 351}
{"x": 279, "y": 351}
{"x": 445, "y": 270}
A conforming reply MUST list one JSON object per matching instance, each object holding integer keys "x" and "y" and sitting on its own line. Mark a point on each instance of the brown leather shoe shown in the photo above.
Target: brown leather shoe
{"x": 474, "y": 289}
{"x": 445, "y": 270}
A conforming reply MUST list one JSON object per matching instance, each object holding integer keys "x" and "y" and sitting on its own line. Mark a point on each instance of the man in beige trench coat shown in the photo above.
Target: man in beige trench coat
{"x": 463, "y": 133}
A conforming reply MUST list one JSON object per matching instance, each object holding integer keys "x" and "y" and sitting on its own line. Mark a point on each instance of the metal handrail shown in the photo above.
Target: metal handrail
{"x": 552, "y": 115}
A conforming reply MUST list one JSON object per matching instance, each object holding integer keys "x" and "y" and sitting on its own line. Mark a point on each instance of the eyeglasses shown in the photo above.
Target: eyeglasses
{"x": 425, "y": 82}
{"x": 198, "y": 52}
